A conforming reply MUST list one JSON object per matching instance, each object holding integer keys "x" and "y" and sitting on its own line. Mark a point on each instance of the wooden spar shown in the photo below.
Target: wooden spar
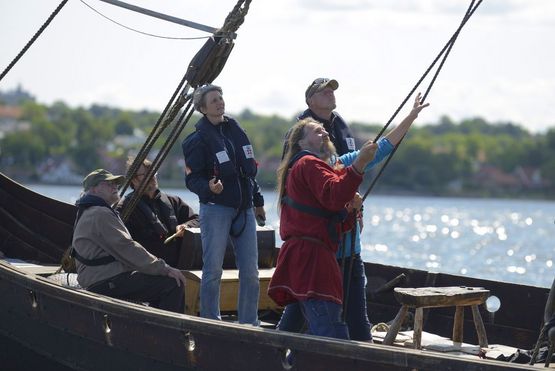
{"x": 163, "y": 16}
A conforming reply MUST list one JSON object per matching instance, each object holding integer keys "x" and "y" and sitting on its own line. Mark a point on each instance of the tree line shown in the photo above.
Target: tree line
{"x": 470, "y": 157}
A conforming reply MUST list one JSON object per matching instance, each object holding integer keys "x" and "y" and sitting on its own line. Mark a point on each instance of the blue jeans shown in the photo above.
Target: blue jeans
{"x": 356, "y": 316}
{"x": 217, "y": 225}
{"x": 324, "y": 318}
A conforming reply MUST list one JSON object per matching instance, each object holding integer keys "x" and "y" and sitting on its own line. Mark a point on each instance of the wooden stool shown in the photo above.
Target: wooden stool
{"x": 436, "y": 297}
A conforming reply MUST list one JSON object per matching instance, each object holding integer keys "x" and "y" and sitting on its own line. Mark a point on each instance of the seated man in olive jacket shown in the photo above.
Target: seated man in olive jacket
{"x": 109, "y": 261}
{"x": 157, "y": 216}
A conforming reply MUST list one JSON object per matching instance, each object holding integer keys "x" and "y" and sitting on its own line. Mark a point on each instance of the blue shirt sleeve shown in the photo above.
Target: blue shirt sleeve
{"x": 384, "y": 149}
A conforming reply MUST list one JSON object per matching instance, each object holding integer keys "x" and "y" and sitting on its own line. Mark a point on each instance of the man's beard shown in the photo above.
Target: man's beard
{"x": 327, "y": 150}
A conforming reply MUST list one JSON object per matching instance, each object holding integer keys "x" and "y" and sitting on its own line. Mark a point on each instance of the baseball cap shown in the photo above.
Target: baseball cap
{"x": 99, "y": 175}
{"x": 319, "y": 84}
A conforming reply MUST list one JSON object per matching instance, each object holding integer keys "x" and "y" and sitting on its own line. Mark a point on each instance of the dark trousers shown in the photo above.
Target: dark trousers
{"x": 159, "y": 291}
{"x": 356, "y": 315}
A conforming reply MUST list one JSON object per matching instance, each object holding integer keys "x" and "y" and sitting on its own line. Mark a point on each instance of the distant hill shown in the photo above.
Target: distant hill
{"x": 58, "y": 143}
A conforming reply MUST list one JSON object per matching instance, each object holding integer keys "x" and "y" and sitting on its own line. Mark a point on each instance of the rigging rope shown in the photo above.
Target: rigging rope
{"x": 445, "y": 53}
{"x": 33, "y": 39}
{"x": 205, "y": 66}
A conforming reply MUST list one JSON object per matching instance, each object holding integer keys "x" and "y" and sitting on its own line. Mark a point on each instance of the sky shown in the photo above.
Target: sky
{"x": 501, "y": 67}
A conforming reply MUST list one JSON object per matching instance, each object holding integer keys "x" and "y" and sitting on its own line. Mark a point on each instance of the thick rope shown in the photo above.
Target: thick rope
{"x": 157, "y": 162}
{"x": 33, "y": 39}
{"x": 152, "y": 138}
{"x": 446, "y": 50}
{"x": 236, "y": 17}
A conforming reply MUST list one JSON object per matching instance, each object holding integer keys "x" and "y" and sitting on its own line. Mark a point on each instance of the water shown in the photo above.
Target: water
{"x": 496, "y": 239}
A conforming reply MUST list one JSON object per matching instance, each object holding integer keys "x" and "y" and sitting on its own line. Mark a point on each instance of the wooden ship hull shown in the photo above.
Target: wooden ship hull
{"x": 68, "y": 328}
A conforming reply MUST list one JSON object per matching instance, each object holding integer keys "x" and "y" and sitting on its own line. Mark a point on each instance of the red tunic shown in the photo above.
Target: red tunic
{"x": 305, "y": 268}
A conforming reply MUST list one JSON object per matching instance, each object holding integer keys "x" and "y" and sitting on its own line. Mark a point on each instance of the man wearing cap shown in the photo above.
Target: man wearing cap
{"x": 320, "y": 98}
{"x": 109, "y": 261}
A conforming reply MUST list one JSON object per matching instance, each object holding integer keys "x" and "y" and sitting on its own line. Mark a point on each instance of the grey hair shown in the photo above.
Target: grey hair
{"x": 200, "y": 93}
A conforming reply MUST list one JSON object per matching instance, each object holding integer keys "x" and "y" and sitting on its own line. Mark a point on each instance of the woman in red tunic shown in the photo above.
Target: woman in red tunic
{"x": 313, "y": 204}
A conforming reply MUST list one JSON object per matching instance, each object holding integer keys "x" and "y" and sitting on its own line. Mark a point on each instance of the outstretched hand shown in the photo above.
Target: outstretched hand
{"x": 417, "y": 105}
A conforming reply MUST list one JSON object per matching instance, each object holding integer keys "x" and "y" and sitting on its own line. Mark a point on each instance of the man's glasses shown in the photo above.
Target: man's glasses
{"x": 142, "y": 175}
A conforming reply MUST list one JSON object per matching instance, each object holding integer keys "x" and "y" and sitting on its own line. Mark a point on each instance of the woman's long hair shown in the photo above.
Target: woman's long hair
{"x": 296, "y": 134}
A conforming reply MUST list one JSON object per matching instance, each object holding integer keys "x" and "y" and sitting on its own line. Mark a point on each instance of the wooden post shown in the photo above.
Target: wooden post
{"x": 458, "y": 325}
{"x": 417, "y": 333}
{"x": 480, "y": 329}
{"x": 395, "y": 326}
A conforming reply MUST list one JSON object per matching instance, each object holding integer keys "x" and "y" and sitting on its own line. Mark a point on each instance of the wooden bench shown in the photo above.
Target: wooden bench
{"x": 436, "y": 297}
{"x": 228, "y": 290}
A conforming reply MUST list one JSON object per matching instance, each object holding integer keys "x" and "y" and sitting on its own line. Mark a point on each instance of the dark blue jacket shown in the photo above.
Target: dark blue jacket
{"x": 200, "y": 150}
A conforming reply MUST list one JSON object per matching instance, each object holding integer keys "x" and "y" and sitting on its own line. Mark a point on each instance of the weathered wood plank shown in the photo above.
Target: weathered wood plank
{"x": 458, "y": 325}
{"x": 429, "y": 297}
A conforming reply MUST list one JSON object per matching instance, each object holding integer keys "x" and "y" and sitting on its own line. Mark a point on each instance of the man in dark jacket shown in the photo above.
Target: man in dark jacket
{"x": 158, "y": 216}
{"x": 320, "y": 99}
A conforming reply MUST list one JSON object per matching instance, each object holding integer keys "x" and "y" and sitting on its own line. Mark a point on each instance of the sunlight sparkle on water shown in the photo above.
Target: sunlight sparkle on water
{"x": 528, "y": 221}
{"x": 480, "y": 231}
{"x": 549, "y": 263}
{"x": 510, "y": 252}
{"x": 375, "y": 248}
{"x": 514, "y": 269}
{"x": 455, "y": 234}
{"x": 530, "y": 258}
{"x": 501, "y": 233}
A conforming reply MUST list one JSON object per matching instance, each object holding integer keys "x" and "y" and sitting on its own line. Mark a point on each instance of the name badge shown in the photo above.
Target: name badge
{"x": 222, "y": 157}
{"x": 249, "y": 153}
{"x": 350, "y": 143}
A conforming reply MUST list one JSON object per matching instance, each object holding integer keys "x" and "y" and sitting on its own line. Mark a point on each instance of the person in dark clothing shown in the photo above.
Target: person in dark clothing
{"x": 320, "y": 98}
{"x": 158, "y": 216}
{"x": 221, "y": 170}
